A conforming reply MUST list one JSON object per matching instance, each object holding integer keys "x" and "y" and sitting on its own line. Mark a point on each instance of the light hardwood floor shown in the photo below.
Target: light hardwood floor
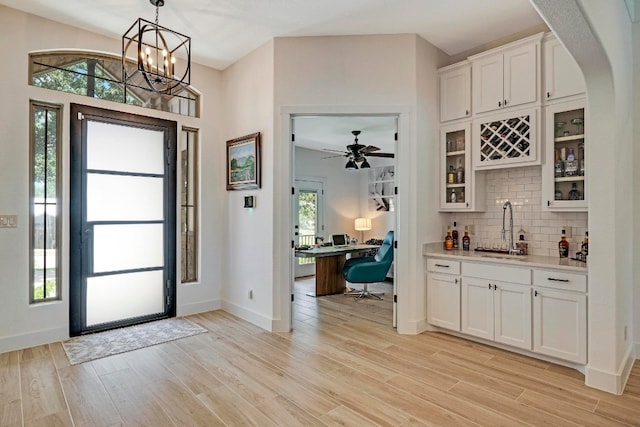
{"x": 342, "y": 365}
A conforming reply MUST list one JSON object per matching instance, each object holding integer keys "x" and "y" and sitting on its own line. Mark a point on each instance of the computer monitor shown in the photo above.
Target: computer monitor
{"x": 339, "y": 240}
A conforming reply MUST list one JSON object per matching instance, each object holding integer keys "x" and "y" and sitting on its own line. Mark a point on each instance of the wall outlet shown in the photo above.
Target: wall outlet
{"x": 250, "y": 293}
{"x": 625, "y": 333}
{"x": 472, "y": 229}
{"x": 8, "y": 221}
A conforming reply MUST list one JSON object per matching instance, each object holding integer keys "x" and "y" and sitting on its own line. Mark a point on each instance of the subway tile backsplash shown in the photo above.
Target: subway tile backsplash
{"x": 522, "y": 186}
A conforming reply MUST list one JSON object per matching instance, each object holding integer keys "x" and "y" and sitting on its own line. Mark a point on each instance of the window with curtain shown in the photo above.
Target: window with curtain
{"x": 45, "y": 218}
{"x": 189, "y": 204}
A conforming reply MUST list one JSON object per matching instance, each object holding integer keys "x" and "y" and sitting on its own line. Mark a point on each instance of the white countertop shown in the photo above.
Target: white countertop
{"x": 436, "y": 249}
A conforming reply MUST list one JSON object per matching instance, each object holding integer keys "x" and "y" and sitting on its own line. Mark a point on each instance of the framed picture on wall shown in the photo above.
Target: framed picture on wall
{"x": 243, "y": 162}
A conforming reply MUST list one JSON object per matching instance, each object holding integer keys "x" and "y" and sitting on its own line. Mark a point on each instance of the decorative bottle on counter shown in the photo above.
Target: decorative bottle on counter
{"x": 563, "y": 246}
{"x": 466, "y": 240}
{"x": 448, "y": 241}
{"x": 454, "y": 236}
{"x": 522, "y": 245}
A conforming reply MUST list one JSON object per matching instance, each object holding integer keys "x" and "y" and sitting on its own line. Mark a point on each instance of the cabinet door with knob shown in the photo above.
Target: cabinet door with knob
{"x": 455, "y": 91}
{"x": 562, "y": 75}
{"x": 443, "y": 293}
{"x": 506, "y": 77}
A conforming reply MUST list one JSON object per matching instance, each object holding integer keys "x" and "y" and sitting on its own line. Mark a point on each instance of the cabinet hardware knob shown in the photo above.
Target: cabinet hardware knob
{"x": 495, "y": 287}
{"x": 548, "y": 94}
{"x": 548, "y": 202}
{"x": 466, "y": 112}
{"x": 505, "y": 102}
{"x": 535, "y": 294}
{"x": 558, "y": 280}
{"x": 455, "y": 281}
{"x": 442, "y": 265}
{"x": 499, "y": 104}
{"x": 489, "y": 285}
{"x": 467, "y": 204}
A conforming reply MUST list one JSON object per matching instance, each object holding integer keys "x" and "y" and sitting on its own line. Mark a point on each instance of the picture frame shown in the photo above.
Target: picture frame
{"x": 243, "y": 162}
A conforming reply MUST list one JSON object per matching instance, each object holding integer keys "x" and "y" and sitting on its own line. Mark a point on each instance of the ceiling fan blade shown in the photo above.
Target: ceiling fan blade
{"x": 332, "y": 157}
{"x": 344, "y": 153}
{"x": 369, "y": 149}
{"x": 389, "y": 155}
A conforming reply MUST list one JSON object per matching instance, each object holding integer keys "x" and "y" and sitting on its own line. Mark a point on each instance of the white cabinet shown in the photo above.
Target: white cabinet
{"x": 459, "y": 184}
{"x": 560, "y": 315}
{"x": 507, "y": 139}
{"x": 564, "y": 186}
{"x": 506, "y": 77}
{"x": 496, "y": 303}
{"x": 443, "y": 293}
{"x": 455, "y": 91}
{"x": 562, "y": 75}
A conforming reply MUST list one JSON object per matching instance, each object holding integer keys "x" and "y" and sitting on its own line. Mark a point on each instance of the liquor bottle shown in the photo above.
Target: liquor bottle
{"x": 558, "y": 165}
{"x": 460, "y": 172}
{"x": 581, "y": 158}
{"x": 571, "y": 164}
{"x": 574, "y": 194}
{"x": 451, "y": 175}
{"x": 454, "y": 236}
{"x": 448, "y": 241}
{"x": 584, "y": 248}
{"x": 453, "y": 198}
{"x": 466, "y": 240}
{"x": 558, "y": 195}
{"x": 563, "y": 246}
{"x": 521, "y": 244}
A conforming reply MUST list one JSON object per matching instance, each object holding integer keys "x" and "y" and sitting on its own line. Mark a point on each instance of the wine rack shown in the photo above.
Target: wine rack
{"x": 506, "y": 141}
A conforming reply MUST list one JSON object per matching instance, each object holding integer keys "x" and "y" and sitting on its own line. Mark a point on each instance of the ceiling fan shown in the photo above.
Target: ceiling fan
{"x": 357, "y": 153}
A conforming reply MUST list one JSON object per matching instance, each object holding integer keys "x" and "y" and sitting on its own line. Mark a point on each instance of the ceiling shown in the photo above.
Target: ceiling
{"x": 223, "y": 31}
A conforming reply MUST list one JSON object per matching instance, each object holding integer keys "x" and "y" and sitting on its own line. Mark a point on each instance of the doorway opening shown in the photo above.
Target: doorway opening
{"x": 357, "y": 184}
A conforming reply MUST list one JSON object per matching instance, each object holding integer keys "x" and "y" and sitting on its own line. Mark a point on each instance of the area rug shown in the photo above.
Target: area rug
{"x": 102, "y": 344}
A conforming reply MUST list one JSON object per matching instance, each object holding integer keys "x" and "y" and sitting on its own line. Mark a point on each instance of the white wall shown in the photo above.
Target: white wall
{"x": 248, "y": 108}
{"x": 21, "y": 324}
{"x": 598, "y": 35}
{"x": 366, "y": 74}
{"x": 341, "y": 190}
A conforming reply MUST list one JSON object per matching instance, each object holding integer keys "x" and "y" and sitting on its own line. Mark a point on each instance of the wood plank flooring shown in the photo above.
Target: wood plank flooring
{"x": 342, "y": 365}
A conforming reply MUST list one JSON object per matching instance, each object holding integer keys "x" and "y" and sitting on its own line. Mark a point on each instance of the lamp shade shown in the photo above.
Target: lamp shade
{"x": 362, "y": 224}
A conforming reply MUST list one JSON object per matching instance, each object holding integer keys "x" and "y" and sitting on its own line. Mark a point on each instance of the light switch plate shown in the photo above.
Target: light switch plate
{"x": 8, "y": 221}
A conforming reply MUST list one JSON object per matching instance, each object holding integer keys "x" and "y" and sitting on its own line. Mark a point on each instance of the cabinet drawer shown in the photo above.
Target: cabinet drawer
{"x": 560, "y": 280}
{"x": 443, "y": 266}
{"x": 497, "y": 272}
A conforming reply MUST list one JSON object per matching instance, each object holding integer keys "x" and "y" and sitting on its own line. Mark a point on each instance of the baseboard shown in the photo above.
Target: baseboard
{"x": 612, "y": 382}
{"x": 198, "y": 307}
{"x": 248, "y": 315}
{"x": 32, "y": 339}
{"x": 414, "y": 327}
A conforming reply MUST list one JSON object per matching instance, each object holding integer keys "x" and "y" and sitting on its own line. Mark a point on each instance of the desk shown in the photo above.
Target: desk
{"x": 329, "y": 263}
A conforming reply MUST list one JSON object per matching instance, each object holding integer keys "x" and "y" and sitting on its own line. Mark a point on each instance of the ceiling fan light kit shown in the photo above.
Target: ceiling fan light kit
{"x": 356, "y": 153}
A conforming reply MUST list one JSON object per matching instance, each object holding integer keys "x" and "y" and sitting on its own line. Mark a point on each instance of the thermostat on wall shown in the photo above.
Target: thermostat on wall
{"x": 249, "y": 202}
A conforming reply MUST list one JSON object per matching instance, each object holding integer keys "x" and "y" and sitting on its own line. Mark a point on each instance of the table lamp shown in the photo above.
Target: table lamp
{"x": 361, "y": 225}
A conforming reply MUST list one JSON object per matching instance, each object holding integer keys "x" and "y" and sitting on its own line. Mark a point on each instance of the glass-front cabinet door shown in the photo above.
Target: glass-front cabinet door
{"x": 563, "y": 174}
{"x": 457, "y": 180}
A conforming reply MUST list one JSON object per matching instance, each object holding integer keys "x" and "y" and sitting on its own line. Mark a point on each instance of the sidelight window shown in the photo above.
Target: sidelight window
{"x": 189, "y": 204}
{"x": 45, "y": 215}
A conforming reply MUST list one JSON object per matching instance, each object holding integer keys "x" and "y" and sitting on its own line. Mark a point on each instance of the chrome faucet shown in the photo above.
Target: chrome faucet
{"x": 512, "y": 247}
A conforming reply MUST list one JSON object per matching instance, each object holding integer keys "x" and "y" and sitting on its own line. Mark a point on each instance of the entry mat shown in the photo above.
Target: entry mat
{"x": 102, "y": 344}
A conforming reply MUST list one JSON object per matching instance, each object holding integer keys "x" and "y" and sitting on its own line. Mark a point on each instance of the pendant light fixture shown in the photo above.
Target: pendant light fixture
{"x": 163, "y": 56}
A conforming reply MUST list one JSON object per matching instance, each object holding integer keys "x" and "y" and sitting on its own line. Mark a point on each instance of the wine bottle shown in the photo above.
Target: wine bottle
{"x": 454, "y": 236}
{"x": 448, "y": 241}
{"x": 466, "y": 240}
{"x": 563, "y": 246}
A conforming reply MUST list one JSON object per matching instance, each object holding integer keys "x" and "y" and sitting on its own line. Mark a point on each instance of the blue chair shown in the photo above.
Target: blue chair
{"x": 371, "y": 269}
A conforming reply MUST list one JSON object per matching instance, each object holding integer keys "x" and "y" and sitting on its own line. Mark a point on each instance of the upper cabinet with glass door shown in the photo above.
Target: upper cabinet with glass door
{"x": 459, "y": 183}
{"x": 563, "y": 174}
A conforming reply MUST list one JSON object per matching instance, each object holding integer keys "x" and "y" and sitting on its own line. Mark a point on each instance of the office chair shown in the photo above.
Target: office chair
{"x": 369, "y": 269}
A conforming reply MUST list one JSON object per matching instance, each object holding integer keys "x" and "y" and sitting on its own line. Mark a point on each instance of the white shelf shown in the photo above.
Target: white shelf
{"x": 455, "y": 153}
{"x": 569, "y": 178}
{"x": 459, "y": 185}
{"x": 569, "y": 138}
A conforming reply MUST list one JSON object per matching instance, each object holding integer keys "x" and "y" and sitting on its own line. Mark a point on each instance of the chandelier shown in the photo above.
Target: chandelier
{"x": 163, "y": 56}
